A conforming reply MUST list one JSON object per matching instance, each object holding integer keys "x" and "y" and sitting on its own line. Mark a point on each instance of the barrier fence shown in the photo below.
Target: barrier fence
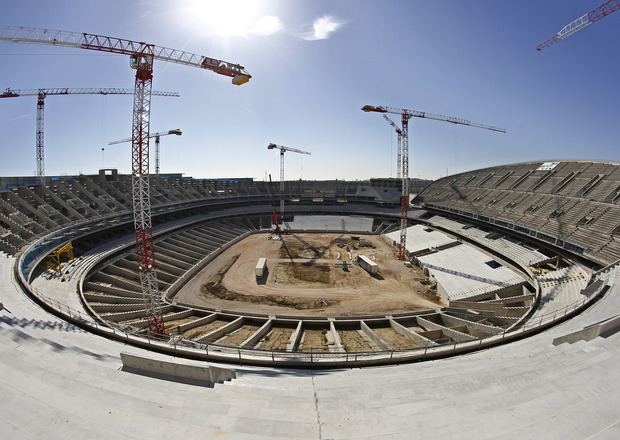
{"x": 348, "y": 356}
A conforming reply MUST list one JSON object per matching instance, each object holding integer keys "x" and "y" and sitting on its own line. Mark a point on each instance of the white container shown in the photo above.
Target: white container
{"x": 260, "y": 267}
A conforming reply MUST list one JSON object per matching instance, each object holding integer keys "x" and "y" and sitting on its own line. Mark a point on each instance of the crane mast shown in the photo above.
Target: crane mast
{"x": 585, "y": 20}
{"x": 40, "y": 137}
{"x": 142, "y": 56}
{"x": 282, "y": 150}
{"x": 399, "y": 134}
{"x": 41, "y": 94}
{"x": 405, "y": 116}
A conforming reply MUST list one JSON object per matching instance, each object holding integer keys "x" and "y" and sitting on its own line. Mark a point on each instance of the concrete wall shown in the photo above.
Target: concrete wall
{"x": 207, "y": 374}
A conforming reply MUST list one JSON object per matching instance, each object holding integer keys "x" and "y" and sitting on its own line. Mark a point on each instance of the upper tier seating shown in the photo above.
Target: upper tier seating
{"x": 572, "y": 204}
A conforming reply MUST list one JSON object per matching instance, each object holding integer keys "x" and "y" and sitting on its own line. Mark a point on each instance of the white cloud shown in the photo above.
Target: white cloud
{"x": 323, "y": 27}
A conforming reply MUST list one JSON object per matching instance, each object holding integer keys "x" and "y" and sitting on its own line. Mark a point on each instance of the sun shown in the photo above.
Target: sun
{"x": 227, "y": 18}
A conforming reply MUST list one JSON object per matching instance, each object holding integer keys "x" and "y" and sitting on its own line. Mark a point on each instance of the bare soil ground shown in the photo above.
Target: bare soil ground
{"x": 277, "y": 339}
{"x": 353, "y": 341}
{"x": 305, "y": 277}
{"x": 200, "y": 331}
{"x": 314, "y": 340}
{"x": 240, "y": 335}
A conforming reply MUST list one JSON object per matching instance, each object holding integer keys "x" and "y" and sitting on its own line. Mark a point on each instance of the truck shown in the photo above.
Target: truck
{"x": 260, "y": 267}
{"x": 367, "y": 264}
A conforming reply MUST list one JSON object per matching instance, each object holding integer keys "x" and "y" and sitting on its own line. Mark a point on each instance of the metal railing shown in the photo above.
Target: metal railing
{"x": 315, "y": 358}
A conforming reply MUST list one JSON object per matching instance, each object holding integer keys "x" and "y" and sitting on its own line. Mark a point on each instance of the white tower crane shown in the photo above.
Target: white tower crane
{"x": 42, "y": 93}
{"x": 406, "y": 115}
{"x": 282, "y": 150}
{"x": 399, "y": 134}
{"x": 156, "y": 136}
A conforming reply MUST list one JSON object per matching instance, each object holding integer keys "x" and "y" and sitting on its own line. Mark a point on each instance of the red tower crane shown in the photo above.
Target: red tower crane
{"x": 142, "y": 56}
{"x": 406, "y": 115}
{"x": 282, "y": 150}
{"x": 399, "y": 133}
{"x": 42, "y": 93}
{"x": 156, "y": 136}
{"x": 596, "y": 14}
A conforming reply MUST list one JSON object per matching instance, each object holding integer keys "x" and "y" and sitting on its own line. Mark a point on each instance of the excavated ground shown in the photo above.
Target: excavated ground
{"x": 305, "y": 277}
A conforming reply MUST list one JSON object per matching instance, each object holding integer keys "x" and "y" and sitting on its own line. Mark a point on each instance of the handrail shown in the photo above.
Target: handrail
{"x": 311, "y": 358}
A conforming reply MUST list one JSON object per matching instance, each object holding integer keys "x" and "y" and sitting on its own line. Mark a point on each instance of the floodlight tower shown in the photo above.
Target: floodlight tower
{"x": 141, "y": 56}
{"x": 406, "y": 115}
{"x": 282, "y": 150}
{"x": 585, "y": 20}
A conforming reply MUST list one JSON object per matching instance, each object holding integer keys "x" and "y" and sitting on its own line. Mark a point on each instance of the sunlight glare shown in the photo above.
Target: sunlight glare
{"x": 234, "y": 18}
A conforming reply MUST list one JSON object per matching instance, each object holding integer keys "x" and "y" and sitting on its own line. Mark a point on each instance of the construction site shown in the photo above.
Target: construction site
{"x": 310, "y": 274}
{"x": 298, "y": 308}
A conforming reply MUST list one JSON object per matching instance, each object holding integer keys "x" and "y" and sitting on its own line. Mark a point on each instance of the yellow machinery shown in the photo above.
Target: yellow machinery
{"x": 52, "y": 261}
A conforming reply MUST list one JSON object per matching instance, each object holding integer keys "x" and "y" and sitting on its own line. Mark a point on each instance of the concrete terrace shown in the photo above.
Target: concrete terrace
{"x": 557, "y": 225}
{"x": 59, "y": 381}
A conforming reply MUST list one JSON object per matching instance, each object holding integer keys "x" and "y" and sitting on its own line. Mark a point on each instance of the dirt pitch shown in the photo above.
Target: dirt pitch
{"x": 305, "y": 277}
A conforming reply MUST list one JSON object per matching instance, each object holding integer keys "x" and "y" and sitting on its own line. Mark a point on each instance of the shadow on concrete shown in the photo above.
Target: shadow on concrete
{"x": 37, "y": 323}
{"x": 285, "y": 372}
{"x": 20, "y": 336}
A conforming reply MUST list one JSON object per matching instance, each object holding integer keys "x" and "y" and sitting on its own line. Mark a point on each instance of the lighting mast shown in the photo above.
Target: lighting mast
{"x": 406, "y": 115}
{"x": 142, "y": 56}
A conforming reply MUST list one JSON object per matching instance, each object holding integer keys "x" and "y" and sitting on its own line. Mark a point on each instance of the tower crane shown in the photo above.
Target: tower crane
{"x": 406, "y": 115}
{"x": 596, "y": 14}
{"x": 156, "y": 136}
{"x": 141, "y": 58}
{"x": 282, "y": 150}
{"x": 399, "y": 133}
{"x": 273, "y": 205}
{"x": 42, "y": 93}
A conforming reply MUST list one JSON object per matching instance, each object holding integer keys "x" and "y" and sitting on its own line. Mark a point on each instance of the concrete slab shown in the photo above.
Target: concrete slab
{"x": 463, "y": 272}
{"x": 60, "y": 382}
{"x": 421, "y": 238}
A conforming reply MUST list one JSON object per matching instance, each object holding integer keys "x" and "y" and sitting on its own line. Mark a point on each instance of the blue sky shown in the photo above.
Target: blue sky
{"x": 314, "y": 64}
